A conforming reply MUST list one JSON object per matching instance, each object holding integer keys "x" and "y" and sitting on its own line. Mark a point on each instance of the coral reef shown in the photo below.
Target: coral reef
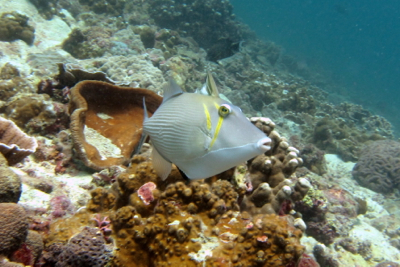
{"x": 13, "y": 227}
{"x": 14, "y": 26}
{"x": 15, "y": 145}
{"x": 251, "y": 215}
{"x": 10, "y": 183}
{"x": 379, "y": 166}
{"x": 111, "y": 7}
{"x": 209, "y": 22}
{"x": 102, "y": 137}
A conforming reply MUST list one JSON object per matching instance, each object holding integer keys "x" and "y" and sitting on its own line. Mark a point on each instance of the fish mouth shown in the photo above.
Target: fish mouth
{"x": 264, "y": 144}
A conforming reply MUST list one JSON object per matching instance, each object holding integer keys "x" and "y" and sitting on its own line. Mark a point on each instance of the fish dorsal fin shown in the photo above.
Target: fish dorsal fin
{"x": 211, "y": 86}
{"x": 160, "y": 164}
{"x": 171, "y": 89}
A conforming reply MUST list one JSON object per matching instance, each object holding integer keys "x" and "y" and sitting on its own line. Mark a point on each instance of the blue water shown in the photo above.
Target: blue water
{"x": 356, "y": 42}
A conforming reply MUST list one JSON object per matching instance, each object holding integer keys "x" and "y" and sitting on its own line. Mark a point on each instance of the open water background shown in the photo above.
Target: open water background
{"x": 356, "y": 43}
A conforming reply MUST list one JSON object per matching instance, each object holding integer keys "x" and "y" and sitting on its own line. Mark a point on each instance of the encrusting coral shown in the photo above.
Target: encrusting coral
{"x": 15, "y": 145}
{"x": 106, "y": 130}
{"x": 379, "y": 166}
{"x": 196, "y": 224}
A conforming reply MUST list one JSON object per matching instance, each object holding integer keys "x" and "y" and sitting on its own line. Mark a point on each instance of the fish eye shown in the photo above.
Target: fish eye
{"x": 224, "y": 110}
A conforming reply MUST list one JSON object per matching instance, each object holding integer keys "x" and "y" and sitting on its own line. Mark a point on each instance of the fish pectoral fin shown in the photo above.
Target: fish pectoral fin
{"x": 160, "y": 164}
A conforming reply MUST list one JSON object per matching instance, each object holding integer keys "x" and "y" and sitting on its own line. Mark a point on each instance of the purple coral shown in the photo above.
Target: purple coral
{"x": 103, "y": 223}
{"x": 379, "y": 166}
{"x": 145, "y": 192}
{"x": 60, "y": 206}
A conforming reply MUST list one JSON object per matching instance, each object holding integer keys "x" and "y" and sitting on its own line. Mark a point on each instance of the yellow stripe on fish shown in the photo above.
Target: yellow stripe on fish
{"x": 218, "y": 128}
{"x": 208, "y": 116}
{"x": 203, "y": 135}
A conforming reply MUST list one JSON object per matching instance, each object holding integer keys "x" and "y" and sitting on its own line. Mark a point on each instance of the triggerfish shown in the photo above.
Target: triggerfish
{"x": 203, "y": 135}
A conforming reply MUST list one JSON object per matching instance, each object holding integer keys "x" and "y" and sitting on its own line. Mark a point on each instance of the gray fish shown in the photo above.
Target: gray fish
{"x": 203, "y": 135}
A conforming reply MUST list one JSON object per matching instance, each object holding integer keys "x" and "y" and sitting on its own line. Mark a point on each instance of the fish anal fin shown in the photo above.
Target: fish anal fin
{"x": 160, "y": 164}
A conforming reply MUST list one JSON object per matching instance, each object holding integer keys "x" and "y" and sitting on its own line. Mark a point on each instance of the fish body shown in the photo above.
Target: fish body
{"x": 203, "y": 135}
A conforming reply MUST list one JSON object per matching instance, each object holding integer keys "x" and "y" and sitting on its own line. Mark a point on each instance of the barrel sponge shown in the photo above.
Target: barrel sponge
{"x": 379, "y": 166}
{"x": 13, "y": 227}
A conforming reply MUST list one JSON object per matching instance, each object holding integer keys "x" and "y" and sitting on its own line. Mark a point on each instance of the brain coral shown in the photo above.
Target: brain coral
{"x": 13, "y": 227}
{"x": 379, "y": 166}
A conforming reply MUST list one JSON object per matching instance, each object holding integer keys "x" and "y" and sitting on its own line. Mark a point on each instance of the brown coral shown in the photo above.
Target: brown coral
{"x": 198, "y": 224}
{"x": 13, "y": 227}
{"x": 10, "y": 183}
{"x": 15, "y": 145}
{"x": 106, "y": 121}
{"x": 14, "y": 26}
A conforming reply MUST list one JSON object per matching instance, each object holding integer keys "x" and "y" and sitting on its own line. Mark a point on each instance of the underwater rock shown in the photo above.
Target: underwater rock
{"x": 379, "y": 166}
{"x": 14, "y": 26}
{"x": 15, "y": 145}
{"x": 106, "y": 121}
{"x": 10, "y": 183}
